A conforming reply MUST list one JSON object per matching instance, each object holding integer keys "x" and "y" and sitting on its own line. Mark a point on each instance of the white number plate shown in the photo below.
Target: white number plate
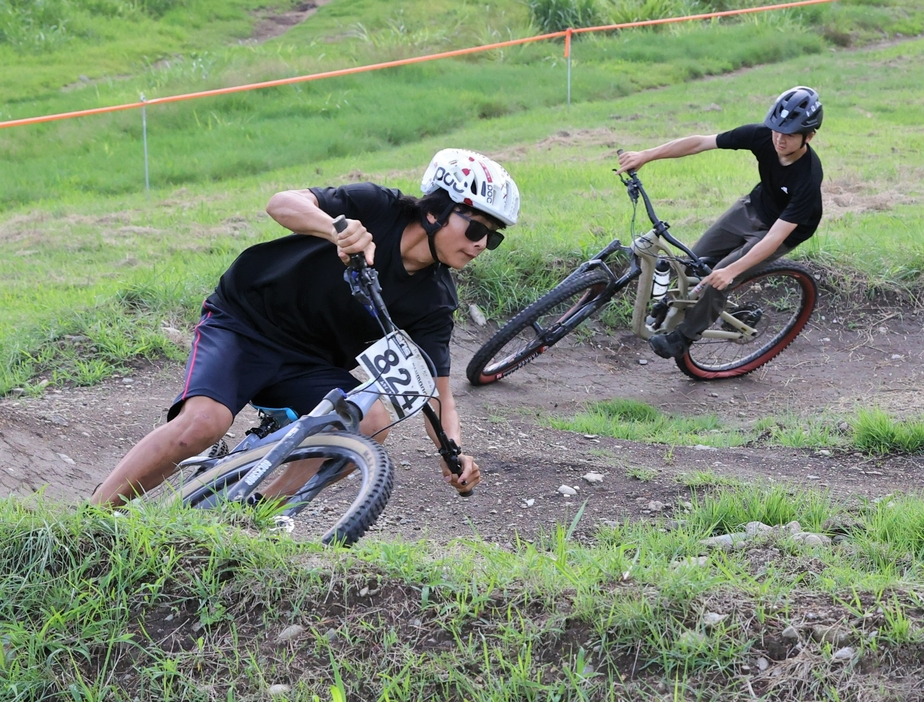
{"x": 400, "y": 372}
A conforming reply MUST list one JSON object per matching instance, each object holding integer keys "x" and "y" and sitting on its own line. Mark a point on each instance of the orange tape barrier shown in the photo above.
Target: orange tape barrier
{"x": 402, "y": 62}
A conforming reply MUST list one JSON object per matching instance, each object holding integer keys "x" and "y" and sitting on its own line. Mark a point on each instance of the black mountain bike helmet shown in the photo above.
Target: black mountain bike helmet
{"x": 796, "y": 111}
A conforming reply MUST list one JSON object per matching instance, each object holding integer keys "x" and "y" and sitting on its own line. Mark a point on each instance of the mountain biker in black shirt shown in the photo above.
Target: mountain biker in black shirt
{"x": 781, "y": 212}
{"x": 282, "y": 329}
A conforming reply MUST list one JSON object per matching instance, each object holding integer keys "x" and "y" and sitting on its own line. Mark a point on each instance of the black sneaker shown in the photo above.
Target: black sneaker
{"x": 673, "y": 345}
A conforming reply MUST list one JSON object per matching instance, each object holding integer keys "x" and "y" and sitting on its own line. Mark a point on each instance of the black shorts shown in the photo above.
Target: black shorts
{"x": 233, "y": 364}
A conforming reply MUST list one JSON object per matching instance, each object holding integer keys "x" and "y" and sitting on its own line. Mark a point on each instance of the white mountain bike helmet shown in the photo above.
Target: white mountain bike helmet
{"x": 474, "y": 180}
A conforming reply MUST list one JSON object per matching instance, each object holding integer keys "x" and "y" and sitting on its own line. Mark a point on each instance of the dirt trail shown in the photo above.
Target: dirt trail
{"x": 65, "y": 442}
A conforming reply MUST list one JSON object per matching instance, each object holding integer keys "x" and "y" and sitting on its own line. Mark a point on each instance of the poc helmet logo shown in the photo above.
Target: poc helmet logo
{"x": 449, "y": 180}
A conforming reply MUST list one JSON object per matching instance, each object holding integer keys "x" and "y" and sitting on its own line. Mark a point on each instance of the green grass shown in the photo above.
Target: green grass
{"x": 70, "y": 256}
{"x": 223, "y": 138}
{"x": 636, "y": 421}
{"x": 871, "y": 430}
{"x": 55, "y": 43}
{"x": 878, "y": 433}
{"x": 84, "y": 238}
{"x": 175, "y": 605}
{"x": 167, "y": 604}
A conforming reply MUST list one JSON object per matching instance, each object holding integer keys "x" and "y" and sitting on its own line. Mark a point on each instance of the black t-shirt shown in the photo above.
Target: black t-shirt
{"x": 292, "y": 290}
{"x": 791, "y": 193}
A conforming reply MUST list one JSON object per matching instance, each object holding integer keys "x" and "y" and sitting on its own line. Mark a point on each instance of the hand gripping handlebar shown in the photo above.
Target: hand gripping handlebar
{"x": 364, "y": 283}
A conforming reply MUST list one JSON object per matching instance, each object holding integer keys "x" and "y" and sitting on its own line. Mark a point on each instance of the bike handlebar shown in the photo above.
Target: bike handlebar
{"x": 450, "y": 453}
{"x": 364, "y": 282}
{"x": 635, "y": 188}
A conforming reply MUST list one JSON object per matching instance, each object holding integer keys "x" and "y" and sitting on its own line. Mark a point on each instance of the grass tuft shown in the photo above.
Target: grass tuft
{"x": 878, "y": 433}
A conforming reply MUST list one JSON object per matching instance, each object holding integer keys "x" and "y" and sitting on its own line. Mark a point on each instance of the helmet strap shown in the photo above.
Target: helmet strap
{"x": 431, "y": 228}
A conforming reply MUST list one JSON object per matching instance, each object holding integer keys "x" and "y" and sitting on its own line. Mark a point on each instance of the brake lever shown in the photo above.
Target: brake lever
{"x": 357, "y": 273}
{"x": 631, "y": 182}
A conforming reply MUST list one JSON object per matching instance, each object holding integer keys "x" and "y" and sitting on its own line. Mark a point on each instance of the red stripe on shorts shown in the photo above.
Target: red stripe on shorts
{"x": 192, "y": 360}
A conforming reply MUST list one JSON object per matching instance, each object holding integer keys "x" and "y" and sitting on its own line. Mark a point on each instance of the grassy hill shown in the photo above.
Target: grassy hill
{"x": 96, "y": 256}
{"x": 108, "y": 58}
{"x": 173, "y": 606}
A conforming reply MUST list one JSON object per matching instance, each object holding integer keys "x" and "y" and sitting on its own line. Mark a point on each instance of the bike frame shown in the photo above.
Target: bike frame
{"x": 643, "y": 253}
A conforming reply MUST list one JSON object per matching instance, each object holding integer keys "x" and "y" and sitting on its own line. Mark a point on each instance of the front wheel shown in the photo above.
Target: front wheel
{"x": 345, "y": 499}
{"x": 777, "y": 300}
{"x": 538, "y": 327}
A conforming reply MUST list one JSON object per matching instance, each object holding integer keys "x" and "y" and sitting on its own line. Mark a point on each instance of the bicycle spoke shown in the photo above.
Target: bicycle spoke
{"x": 539, "y": 326}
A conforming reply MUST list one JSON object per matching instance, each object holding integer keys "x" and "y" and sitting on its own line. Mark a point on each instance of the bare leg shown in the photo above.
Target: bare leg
{"x": 300, "y": 472}
{"x": 200, "y": 423}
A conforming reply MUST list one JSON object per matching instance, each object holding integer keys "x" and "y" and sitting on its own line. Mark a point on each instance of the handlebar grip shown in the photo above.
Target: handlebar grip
{"x": 455, "y": 467}
{"x": 631, "y": 172}
{"x": 358, "y": 260}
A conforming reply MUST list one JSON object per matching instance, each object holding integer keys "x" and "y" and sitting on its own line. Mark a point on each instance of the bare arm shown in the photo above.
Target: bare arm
{"x": 721, "y": 278}
{"x": 678, "y": 148}
{"x": 298, "y": 211}
{"x": 445, "y": 407}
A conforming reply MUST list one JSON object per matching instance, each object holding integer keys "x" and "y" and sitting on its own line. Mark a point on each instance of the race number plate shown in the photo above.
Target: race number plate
{"x": 400, "y": 372}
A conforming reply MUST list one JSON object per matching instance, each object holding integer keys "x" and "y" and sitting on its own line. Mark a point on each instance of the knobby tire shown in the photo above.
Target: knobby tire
{"x": 785, "y": 294}
{"x": 369, "y": 462}
{"x": 520, "y": 341}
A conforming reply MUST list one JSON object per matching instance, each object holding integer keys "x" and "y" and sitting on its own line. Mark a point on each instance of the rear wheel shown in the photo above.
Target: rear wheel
{"x": 538, "y": 327}
{"x": 349, "y": 493}
{"x": 777, "y": 300}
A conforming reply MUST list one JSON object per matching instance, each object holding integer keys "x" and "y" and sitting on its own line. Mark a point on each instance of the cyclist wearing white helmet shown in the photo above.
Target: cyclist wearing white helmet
{"x": 282, "y": 329}
{"x": 781, "y": 212}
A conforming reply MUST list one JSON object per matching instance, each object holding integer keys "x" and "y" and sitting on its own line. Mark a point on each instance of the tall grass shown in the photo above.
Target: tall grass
{"x": 877, "y": 432}
{"x": 557, "y": 15}
{"x": 168, "y": 604}
{"x": 872, "y": 429}
{"x": 637, "y": 421}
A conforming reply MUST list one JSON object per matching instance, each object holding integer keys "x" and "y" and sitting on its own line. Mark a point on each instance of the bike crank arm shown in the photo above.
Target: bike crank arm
{"x": 742, "y": 329}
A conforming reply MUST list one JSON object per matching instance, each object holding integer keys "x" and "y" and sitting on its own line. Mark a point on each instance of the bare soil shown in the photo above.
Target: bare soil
{"x": 274, "y": 24}
{"x": 64, "y": 443}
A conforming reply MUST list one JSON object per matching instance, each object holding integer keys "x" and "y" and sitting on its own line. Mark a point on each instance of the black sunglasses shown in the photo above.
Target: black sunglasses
{"x": 477, "y": 231}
